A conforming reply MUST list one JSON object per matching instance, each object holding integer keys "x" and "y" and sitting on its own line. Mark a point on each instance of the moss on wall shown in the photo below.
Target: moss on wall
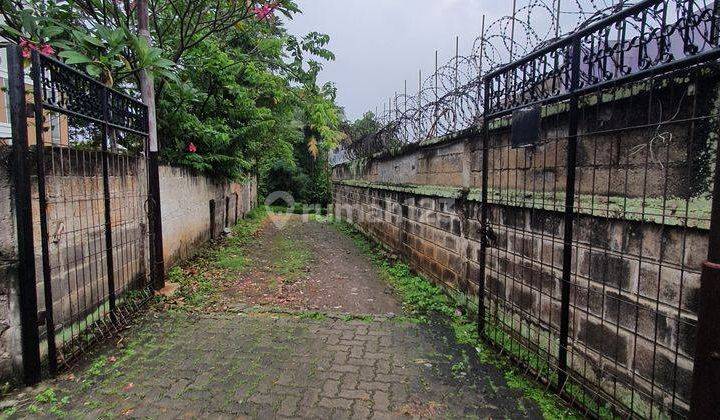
{"x": 671, "y": 211}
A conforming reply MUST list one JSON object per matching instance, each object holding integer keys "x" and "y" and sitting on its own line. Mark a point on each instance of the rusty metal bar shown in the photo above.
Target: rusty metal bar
{"x": 484, "y": 211}
{"x": 157, "y": 266}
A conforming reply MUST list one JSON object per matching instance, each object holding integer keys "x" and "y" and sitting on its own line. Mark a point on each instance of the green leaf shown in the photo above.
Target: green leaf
{"x": 168, "y": 75}
{"x": 11, "y": 30}
{"x": 141, "y": 47}
{"x": 153, "y": 54}
{"x": 93, "y": 70}
{"x": 51, "y": 31}
{"x": 116, "y": 37}
{"x": 74, "y": 57}
{"x": 78, "y": 35}
{"x": 164, "y": 63}
{"x": 94, "y": 41}
{"x": 28, "y": 21}
{"x": 62, "y": 45}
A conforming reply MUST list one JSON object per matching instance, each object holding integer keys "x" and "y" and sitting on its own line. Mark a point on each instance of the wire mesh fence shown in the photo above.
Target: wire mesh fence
{"x": 598, "y": 182}
{"x": 90, "y": 209}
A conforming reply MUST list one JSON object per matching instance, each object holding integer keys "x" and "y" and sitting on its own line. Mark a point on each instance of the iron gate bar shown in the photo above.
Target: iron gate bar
{"x": 212, "y": 219}
{"x": 227, "y": 210}
{"x": 705, "y": 402}
{"x": 71, "y": 113}
{"x": 483, "y": 213}
{"x": 81, "y": 311}
{"x": 656, "y": 68}
{"x": 521, "y": 84}
{"x": 564, "y": 42}
{"x": 237, "y": 198}
{"x": 43, "y": 205}
{"x": 715, "y": 22}
{"x": 569, "y": 216}
{"x": 157, "y": 257}
{"x": 640, "y": 75}
{"x": 53, "y": 103}
{"x": 108, "y": 214}
{"x": 30, "y": 336}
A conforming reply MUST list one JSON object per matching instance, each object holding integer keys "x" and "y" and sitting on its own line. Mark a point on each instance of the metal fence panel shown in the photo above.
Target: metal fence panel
{"x": 91, "y": 205}
{"x": 596, "y": 234}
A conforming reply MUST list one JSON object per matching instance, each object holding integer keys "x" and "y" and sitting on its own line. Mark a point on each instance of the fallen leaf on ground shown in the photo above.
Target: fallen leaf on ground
{"x": 416, "y": 408}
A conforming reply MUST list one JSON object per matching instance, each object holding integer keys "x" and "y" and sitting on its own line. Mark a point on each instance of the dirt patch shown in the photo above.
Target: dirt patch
{"x": 304, "y": 264}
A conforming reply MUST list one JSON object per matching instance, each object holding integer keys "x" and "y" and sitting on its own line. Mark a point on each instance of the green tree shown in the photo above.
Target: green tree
{"x": 362, "y": 127}
{"x": 236, "y": 93}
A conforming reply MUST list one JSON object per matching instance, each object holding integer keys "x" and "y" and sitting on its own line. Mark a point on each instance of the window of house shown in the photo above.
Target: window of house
{"x": 4, "y": 102}
{"x": 55, "y": 128}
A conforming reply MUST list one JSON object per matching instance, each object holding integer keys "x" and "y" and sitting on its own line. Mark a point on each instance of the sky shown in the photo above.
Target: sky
{"x": 379, "y": 44}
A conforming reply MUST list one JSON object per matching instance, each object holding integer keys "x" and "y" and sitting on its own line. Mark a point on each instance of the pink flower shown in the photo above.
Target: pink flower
{"x": 266, "y": 11}
{"x": 191, "y": 148}
{"x": 47, "y": 50}
{"x": 28, "y": 47}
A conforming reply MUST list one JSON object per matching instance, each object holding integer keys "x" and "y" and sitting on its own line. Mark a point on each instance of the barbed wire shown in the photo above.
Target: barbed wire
{"x": 450, "y": 99}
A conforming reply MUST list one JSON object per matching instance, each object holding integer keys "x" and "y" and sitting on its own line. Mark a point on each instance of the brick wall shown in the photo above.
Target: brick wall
{"x": 618, "y": 330}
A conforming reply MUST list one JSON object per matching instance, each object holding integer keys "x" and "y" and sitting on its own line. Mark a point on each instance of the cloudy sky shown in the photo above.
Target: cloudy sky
{"x": 381, "y": 43}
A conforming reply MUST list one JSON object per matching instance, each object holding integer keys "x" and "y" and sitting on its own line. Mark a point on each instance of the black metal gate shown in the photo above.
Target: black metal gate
{"x": 599, "y": 157}
{"x": 88, "y": 211}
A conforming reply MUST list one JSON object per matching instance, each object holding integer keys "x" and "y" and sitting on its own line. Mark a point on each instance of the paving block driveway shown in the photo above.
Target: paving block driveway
{"x": 260, "y": 363}
{"x": 268, "y": 365}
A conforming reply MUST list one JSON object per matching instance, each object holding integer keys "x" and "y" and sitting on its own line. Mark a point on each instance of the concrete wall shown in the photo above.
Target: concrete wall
{"x": 457, "y": 161}
{"x": 186, "y": 209}
{"x": 10, "y": 360}
{"x": 443, "y": 162}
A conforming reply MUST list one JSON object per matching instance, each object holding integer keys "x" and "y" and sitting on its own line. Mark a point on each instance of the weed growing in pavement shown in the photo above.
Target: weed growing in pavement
{"x": 293, "y": 260}
{"x": 317, "y": 316}
{"x": 47, "y": 402}
{"x": 200, "y": 277}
